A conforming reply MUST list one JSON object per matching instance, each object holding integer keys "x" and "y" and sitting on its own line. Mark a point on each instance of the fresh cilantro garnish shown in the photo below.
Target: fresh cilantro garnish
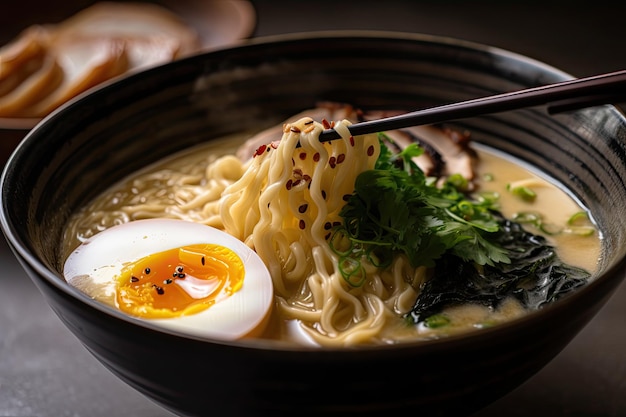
{"x": 395, "y": 208}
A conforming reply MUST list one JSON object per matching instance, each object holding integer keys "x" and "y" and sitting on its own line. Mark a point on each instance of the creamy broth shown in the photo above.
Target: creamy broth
{"x": 555, "y": 206}
{"x": 495, "y": 173}
{"x": 155, "y": 192}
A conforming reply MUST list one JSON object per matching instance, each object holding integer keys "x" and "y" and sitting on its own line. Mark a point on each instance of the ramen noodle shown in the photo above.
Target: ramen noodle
{"x": 285, "y": 203}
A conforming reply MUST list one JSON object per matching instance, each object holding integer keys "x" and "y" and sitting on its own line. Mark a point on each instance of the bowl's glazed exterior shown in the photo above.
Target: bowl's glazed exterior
{"x": 96, "y": 140}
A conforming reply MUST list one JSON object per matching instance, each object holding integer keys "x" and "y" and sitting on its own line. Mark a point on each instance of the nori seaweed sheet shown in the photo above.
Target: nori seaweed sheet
{"x": 535, "y": 276}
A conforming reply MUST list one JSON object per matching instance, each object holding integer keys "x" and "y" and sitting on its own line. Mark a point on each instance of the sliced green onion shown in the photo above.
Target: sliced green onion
{"x": 528, "y": 217}
{"x": 525, "y": 193}
{"x": 379, "y": 257}
{"x": 352, "y": 271}
{"x": 489, "y": 196}
{"x": 578, "y": 218}
{"x": 340, "y": 244}
{"x": 550, "y": 228}
{"x": 458, "y": 181}
{"x": 579, "y": 224}
{"x": 465, "y": 208}
{"x": 436, "y": 321}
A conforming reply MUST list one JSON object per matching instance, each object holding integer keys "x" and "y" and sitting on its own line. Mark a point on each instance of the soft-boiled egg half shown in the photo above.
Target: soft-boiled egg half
{"x": 180, "y": 275}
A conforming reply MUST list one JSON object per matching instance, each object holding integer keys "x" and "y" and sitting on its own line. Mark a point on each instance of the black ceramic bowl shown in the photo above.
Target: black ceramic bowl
{"x": 93, "y": 142}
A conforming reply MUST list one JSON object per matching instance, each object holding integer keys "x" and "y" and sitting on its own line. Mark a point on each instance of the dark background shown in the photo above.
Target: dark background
{"x": 44, "y": 371}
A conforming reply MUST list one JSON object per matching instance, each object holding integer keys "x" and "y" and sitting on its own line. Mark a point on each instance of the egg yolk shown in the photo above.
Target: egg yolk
{"x": 179, "y": 281}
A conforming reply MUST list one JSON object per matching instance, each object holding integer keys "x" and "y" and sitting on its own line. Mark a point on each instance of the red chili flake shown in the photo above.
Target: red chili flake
{"x": 158, "y": 289}
{"x": 346, "y": 197}
{"x": 332, "y": 161}
{"x": 306, "y": 177}
{"x": 134, "y": 279}
{"x": 303, "y": 208}
{"x": 316, "y": 157}
{"x": 167, "y": 281}
{"x": 295, "y": 129}
{"x": 289, "y": 184}
{"x": 259, "y": 150}
{"x": 327, "y": 236}
{"x": 202, "y": 261}
{"x": 302, "y": 156}
{"x": 324, "y": 194}
{"x": 370, "y": 150}
{"x": 351, "y": 140}
{"x": 341, "y": 157}
{"x": 336, "y": 224}
{"x": 309, "y": 122}
{"x": 327, "y": 226}
{"x": 274, "y": 144}
{"x": 302, "y": 224}
{"x": 326, "y": 124}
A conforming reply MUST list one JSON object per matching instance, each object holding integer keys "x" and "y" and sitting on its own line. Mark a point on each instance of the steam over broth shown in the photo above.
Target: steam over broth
{"x": 315, "y": 301}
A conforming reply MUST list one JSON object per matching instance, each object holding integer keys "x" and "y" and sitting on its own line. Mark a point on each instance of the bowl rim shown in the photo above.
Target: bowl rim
{"x": 56, "y": 281}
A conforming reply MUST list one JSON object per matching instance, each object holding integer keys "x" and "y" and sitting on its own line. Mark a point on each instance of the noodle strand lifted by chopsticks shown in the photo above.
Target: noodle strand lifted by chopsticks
{"x": 283, "y": 203}
{"x": 300, "y": 191}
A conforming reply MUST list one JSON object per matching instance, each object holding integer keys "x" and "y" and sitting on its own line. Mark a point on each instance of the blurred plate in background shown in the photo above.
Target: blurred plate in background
{"x": 216, "y": 22}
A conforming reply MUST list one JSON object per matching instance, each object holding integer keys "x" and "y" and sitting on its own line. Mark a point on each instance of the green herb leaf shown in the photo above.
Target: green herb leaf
{"x": 395, "y": 208}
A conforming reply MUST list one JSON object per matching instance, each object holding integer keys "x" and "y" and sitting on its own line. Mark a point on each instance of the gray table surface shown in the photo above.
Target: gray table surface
{"x": 45, "y": 371}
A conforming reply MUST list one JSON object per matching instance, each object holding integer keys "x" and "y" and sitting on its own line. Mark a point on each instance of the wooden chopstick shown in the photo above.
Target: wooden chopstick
{"x": 563, "y": 96}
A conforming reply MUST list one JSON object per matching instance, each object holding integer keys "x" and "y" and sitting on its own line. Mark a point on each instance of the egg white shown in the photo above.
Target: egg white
{"x": 93, "y": 266}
